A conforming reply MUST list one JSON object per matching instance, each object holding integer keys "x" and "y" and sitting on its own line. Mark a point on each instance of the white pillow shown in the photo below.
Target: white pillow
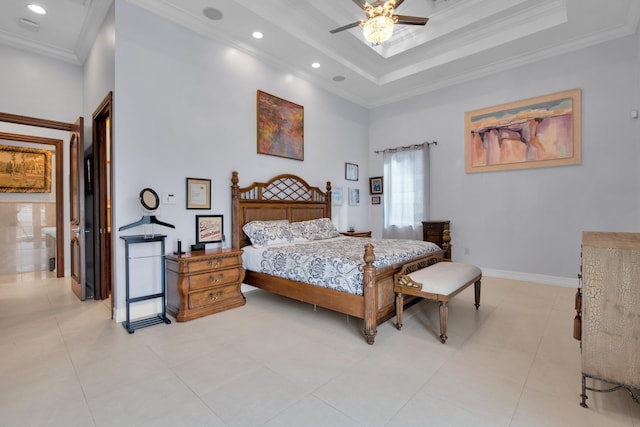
{"x": 265, "y": 233}
{"x": 318, "y": 229}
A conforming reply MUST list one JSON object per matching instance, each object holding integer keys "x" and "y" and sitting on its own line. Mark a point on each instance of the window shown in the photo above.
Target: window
{"x": 405, "y": 192}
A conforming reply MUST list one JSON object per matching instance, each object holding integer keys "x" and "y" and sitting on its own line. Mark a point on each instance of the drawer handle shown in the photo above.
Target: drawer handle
{"x": 213, "y": 296}
{"x": 216, "y": 279}
{"x": 217, "y": 264}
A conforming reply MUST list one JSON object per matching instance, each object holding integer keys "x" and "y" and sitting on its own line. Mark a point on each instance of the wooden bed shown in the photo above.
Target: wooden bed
{"x": 289, "y": 197}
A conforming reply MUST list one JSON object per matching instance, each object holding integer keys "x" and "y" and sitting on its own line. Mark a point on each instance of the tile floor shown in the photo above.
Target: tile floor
{"x": 276, "y": 362}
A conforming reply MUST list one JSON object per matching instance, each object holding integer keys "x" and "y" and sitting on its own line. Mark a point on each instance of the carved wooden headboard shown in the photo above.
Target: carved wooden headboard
{"x": 284, "y": 196}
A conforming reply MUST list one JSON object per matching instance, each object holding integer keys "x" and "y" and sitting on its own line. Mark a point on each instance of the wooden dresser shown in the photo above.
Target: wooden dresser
{"x": 434, "y": 231}
{"x": 204, "y": 282}
{"x": 610, "y": 308}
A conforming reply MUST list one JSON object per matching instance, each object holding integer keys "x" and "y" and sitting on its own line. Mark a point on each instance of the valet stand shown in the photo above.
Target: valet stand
{"x": 161, "y": 317}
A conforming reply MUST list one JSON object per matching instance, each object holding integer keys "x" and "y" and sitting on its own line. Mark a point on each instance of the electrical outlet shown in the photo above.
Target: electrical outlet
{"x": 466, "y": 251}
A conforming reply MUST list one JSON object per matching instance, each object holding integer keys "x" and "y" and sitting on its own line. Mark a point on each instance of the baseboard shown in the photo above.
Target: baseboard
{"x": 566, "y": 282}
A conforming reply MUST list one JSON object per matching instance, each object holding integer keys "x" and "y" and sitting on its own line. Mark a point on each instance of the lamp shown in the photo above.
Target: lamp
{"x": 379, "y": 26}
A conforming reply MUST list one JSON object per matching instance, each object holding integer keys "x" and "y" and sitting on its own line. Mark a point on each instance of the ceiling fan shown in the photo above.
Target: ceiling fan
{"x": 380, "y": 20}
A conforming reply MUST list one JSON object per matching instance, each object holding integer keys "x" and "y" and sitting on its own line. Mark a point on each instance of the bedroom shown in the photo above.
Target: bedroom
{"x": 524, "y": 224}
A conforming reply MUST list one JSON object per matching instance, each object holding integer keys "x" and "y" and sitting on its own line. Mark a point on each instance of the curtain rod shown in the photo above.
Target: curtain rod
{"x": 406, "y": 147}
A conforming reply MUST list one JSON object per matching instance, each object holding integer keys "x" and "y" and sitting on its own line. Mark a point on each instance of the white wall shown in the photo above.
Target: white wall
{"x": 99, "y": 71}
{"x": 530, "y": 221}
{"x": 185, "y": 107}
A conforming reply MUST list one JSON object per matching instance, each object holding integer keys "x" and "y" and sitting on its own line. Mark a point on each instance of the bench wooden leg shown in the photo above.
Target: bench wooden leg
{"x": 399, "y": 308}
{"x": 444, "y": 311}
{"x": 476, "y": 287}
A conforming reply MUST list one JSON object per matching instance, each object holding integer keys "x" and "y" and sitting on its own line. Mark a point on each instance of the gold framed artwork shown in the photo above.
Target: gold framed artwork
{"x": 280, "y": 127}
{"x": 24, "y": 170}
{"x": 209, "y": 228}
{"x": 198, "y": 193}
{"x": 532, "y": 133}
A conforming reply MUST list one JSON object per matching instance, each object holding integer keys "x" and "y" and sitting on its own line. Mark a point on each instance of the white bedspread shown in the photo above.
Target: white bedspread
{"x": 334, "y": 263}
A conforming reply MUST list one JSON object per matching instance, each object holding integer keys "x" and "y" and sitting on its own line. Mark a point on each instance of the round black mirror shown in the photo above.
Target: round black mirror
{"x": 149, "y": 199}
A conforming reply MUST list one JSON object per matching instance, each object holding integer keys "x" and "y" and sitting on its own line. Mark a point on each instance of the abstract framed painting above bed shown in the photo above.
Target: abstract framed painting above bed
{"x": 292, "y": 249}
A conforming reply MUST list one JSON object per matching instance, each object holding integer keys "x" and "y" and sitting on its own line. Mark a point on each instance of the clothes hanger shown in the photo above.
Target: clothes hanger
{"x": 150, "y": 201}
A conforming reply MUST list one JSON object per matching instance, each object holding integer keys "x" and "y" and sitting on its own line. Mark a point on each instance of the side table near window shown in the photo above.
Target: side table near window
{"x": 433, "y": 231}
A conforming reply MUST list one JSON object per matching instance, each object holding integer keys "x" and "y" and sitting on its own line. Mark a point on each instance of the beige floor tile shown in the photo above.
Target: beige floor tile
{"x": 278, "y": 362}
{"x": 425, "y": 410}
{"x": 314, "y": 412}
{"x": 491, "y": 397}
{"x": 538, "y": 408}
{"x": 252, "y": 399}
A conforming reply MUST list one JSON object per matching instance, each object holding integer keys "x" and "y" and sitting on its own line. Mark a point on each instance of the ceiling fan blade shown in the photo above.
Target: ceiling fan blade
{"x": 411, "y": 20}
{"x": 398, "y": 3}
{"x": 346, "y": 27}
{"x": 360, "y": 3}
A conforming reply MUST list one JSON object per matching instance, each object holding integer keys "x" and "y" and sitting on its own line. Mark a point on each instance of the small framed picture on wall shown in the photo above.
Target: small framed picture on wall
{"x": 198, "y": 193}
{"x": 375, "y": 185}
{"x": 375, "y": 200}
{"x": 336, "y": 196}
{"x": 350, "y": 171}
{"x": 354, "y": 196}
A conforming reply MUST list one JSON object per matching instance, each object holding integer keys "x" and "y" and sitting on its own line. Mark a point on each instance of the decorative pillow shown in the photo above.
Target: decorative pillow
{"x": 298, "y": 232}
{"x": 265, "y": 233}
{"x": 318, "y": 229}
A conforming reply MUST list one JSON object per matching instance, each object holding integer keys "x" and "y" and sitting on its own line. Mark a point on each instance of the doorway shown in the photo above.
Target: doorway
{"x": 49, "y": 124}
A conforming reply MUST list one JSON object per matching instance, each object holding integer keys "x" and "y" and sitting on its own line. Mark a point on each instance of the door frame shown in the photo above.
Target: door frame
{"x": 49, "y": 124}
{"x": 103, "y": 250}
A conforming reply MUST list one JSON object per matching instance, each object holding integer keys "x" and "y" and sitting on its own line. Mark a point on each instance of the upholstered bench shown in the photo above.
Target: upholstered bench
{"x": 441, "y": 282}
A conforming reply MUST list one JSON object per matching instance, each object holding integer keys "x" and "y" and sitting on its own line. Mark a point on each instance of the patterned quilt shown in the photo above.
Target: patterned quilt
{"x": 333, "y": 263}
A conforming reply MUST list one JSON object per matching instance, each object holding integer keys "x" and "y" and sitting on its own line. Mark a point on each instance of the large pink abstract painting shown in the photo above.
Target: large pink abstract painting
{"x": 536, "y": 132}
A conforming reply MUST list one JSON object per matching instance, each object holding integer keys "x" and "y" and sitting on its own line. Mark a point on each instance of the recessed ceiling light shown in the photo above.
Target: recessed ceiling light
{"x": 316, "y": 65}
{"x": 257, "y": 35}
{"x": 37, "y": 9}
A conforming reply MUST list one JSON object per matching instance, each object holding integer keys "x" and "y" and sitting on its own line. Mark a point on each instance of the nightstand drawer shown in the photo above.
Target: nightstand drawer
{"x": 211, "y": 296}
{"x": 213, "y": 278}
{"x": 212, "y": 263}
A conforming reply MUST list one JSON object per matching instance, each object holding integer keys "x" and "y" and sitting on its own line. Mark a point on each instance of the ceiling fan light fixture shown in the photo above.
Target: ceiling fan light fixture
{"x": 378, "y": 29}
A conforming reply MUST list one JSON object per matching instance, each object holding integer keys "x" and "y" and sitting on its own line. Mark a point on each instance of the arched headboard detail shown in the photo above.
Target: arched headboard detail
{"x": 284, "y": 196}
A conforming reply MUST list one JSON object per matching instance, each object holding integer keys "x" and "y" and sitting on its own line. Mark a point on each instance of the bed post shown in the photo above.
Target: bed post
{"x": 369, "y": 294}
{"x": 235, "y": 211}
{"x": 328, "y": 206}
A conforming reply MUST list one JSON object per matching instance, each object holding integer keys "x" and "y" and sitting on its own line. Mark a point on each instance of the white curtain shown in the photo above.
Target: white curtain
{"x": 406, "y": 192}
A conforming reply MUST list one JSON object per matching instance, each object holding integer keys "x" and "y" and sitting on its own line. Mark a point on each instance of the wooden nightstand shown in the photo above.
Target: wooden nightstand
{"x": 204, "y": 282}
{"x": 433, "y": 231}
{"x": 356, "y": 233}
